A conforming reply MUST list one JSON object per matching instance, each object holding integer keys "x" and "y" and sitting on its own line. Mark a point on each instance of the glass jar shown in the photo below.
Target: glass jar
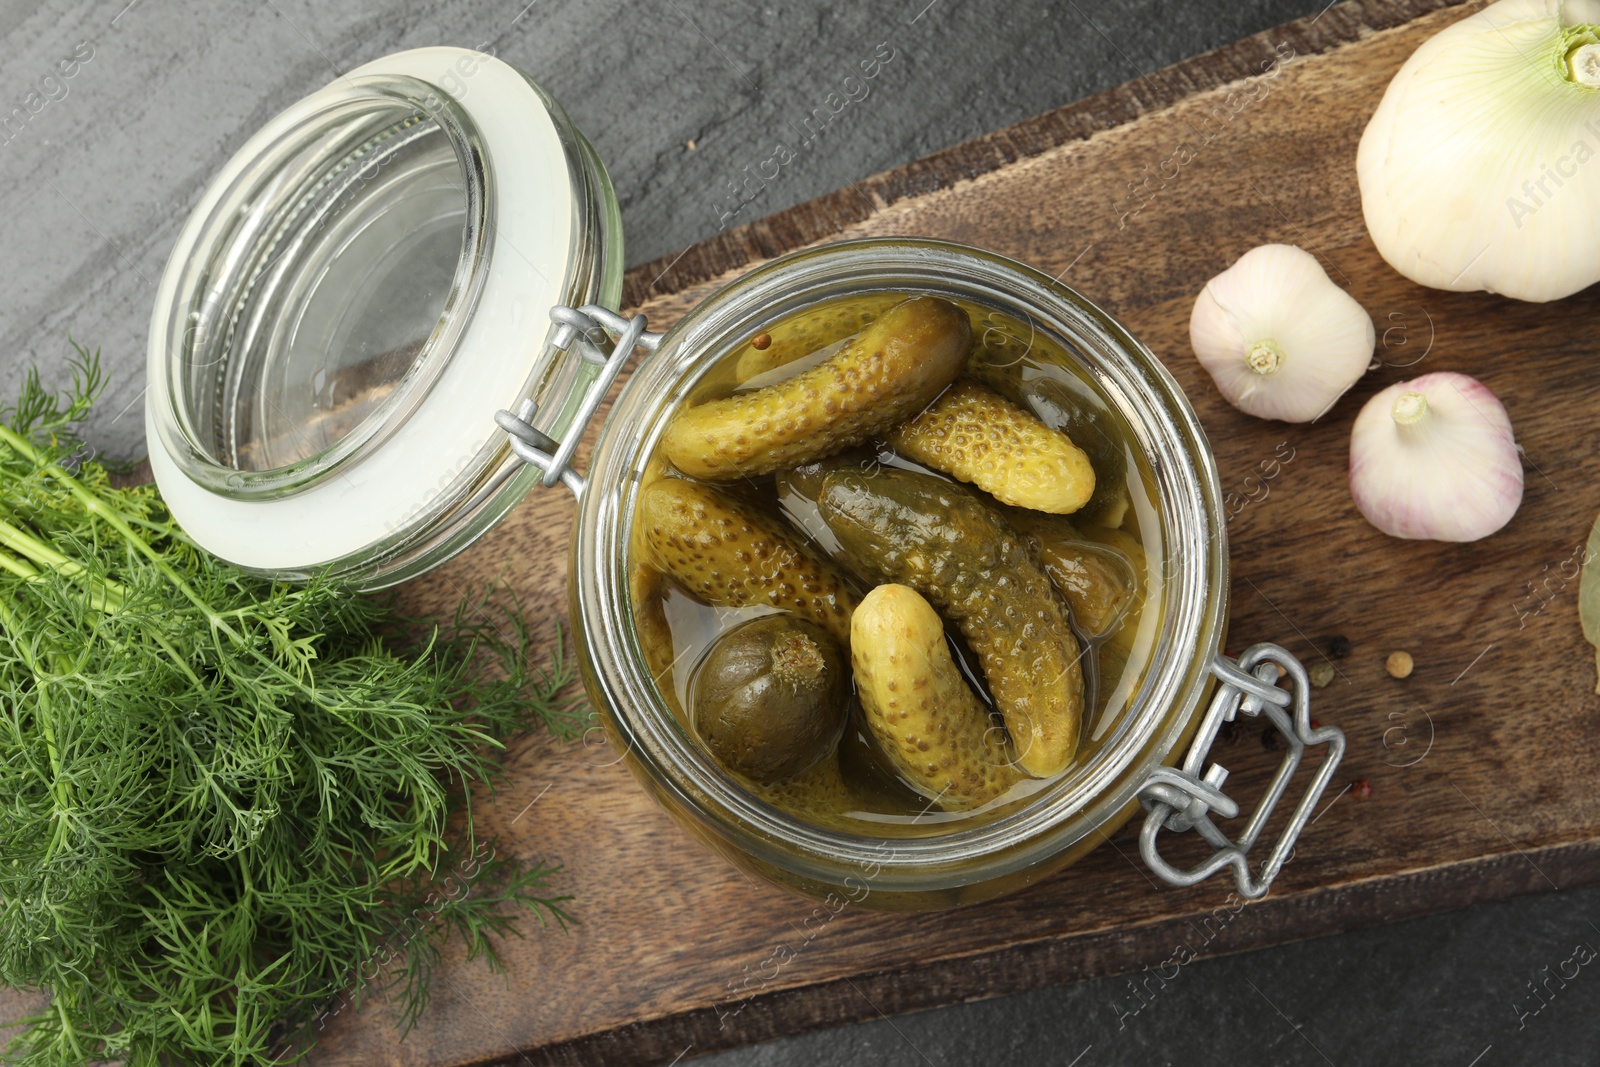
{"x": 337, "y": 385}
{"x": 357, "y": 292}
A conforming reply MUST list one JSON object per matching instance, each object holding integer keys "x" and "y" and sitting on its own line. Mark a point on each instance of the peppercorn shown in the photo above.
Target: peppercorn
{"x": 1399, "y": 664}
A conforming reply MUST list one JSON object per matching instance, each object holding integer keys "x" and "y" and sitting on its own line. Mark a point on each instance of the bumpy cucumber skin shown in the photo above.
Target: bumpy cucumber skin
{"x": 729, "y": 554}
{"x": 998, "y": 361}
{"x": 890, "y": 371}
{"x": 819, "y": 794}
{"x": 914, "y": 529}
{"x": 931, "y": 726}
{"x": 655, "y": 635}
{"x": 808, "y": 331}
{"x": 976, "y": 435}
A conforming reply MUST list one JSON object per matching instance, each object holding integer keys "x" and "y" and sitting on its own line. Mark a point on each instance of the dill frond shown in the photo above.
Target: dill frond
{"x": 224, "y": 801}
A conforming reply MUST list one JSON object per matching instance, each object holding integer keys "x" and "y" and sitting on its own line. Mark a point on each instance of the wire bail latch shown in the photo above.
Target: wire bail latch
{"x": 575, "y": 332}
{"x": 1181, "y": 799}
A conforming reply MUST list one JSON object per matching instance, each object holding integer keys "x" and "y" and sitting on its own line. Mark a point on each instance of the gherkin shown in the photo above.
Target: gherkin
{"x": 939, "y": 538}
{"x": 883, "y": 375}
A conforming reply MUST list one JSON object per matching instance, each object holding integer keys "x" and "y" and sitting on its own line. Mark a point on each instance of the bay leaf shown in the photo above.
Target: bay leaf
{"x": 1589, "y": 595}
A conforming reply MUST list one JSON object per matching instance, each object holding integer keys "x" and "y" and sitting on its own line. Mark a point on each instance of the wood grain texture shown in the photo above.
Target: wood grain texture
{"x": 1480, "y": 763}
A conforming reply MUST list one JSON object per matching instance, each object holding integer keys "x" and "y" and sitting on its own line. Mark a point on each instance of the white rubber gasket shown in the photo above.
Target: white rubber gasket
{"x": 531, "y": 203}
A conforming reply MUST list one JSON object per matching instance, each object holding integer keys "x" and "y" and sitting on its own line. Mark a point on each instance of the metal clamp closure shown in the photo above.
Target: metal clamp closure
{"x": 1181, "y": 799}
{"x": 574, "y": 333}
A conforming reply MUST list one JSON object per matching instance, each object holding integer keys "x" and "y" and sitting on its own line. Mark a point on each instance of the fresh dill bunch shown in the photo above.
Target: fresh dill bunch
{"x": 225, "y": 802}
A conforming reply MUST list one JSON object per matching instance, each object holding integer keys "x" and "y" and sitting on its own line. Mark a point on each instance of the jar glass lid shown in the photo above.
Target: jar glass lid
{"x": 330, "y": 295}
{"x": 358, "y": 291}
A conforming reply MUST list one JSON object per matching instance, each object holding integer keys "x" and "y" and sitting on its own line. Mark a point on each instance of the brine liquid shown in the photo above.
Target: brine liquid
{"x": 1032, "y": 370}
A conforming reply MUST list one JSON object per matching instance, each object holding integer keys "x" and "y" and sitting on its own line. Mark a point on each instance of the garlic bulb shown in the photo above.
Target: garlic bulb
{"x": 1280, "y": 339}
{"x": 1433, "y": 458}
{"x": 1479, "y": 169}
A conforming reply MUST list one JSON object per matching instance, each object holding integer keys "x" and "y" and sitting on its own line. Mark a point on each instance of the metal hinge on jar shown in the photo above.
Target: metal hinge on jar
{"x": 1182, "y": 798}
{"x": 574, "y": 327}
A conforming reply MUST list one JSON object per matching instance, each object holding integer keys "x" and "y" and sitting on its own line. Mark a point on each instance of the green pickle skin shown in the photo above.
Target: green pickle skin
{"x": 814, "y": 329}
{"x": 1097, "y": 581}
{"x": 931, "y": 727}
{"x": 897, "y": 526}
{"x": 724, "y": 552}
{"x": 769, "y": 697}
{"x": 887, "y": 373}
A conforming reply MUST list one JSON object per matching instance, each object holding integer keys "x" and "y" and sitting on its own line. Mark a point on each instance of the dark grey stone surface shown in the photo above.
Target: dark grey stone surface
{"x": 1510, "y": 983}
{"x": 679, "y": 97}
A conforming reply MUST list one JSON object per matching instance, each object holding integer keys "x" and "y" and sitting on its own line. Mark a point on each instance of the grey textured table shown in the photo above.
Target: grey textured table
{"x": 679, "y": 97}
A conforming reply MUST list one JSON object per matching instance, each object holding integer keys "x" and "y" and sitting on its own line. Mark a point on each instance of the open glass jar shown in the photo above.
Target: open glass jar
{"x": 393, "y": 313}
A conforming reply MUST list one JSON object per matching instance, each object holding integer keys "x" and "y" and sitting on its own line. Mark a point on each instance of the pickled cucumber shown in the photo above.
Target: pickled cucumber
{"x": 885, "y": 374}
{"x": 1089, "y": 424}
{"x": 799, "y": 487}
{"x": 933, "y": 729}
{"x": 806, "y": 479}
{"x": 646, "y": 586}
{"x": 769, "y": 699}
{"x": 976, "y": 435}
{"x": 942, "y": 540}
{"x": 1097, "y": 581}
{"x": 1117, "y": 647}
{"x": 727, "y": 553}
{"x": 1021, "y": 368}
{"x": 809, "y": 332}
{"x": 819, "y": 793}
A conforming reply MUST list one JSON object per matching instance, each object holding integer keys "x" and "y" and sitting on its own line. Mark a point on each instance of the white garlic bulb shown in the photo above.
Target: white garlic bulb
{"x": 1280, "y": 339}
{"x": 1433, "y": 458}
{"x": 1479, "y": 168}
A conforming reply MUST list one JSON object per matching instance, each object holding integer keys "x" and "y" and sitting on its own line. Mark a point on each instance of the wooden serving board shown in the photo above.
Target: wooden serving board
{"x": 1481, "y": 765}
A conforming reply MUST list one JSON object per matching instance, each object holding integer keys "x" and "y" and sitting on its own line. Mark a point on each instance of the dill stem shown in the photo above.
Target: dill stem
{"x": 34, "y": 549}
{"x": 172, "y": 654}
{"x": 44, "y": 555}
{"x": 58, "y": 783}
{"x": 100, "y": 600}
{"x": 114, "y": 518}
{"x": 67, "y": 1029}
{"x": 21, "y": 568}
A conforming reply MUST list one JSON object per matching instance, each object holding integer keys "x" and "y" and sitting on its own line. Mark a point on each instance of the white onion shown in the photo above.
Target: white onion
{"x": 1481, "y": 167}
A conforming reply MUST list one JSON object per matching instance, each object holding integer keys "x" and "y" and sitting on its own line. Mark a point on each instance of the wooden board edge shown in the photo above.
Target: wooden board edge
{"x": 1342, "y": 24}
{"x": 1018, "y": 968}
